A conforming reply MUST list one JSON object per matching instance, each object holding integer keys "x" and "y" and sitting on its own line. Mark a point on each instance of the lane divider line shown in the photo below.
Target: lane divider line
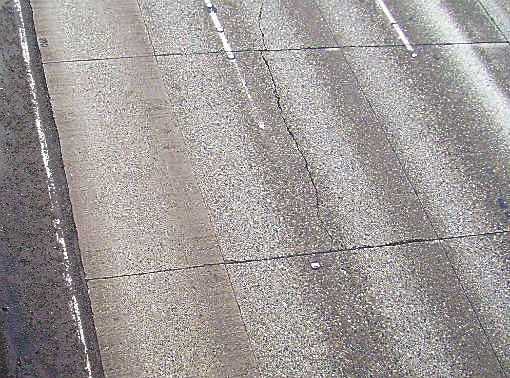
{"x": 59, "y": 231}
{"x": 213, "y": 13}
{"x": 397, "y": 27}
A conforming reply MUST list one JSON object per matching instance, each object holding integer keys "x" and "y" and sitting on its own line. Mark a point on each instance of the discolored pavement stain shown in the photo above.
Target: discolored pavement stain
{"x": 39, "y": 336}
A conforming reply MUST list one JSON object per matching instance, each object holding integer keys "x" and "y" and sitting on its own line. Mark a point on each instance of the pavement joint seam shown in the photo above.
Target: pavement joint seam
{"x": 292, "y": 134}
{"x": 494, "y": 22}
{"x": 146, "y": 28}
{"x": 290, "y": 49}
{"x": 309, "y": 254}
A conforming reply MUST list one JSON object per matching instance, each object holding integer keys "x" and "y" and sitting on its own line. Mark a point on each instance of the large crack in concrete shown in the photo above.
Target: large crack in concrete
{"x": 289, "y": 130}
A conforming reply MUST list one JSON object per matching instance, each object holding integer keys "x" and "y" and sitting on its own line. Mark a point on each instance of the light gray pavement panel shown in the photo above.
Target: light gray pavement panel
{"x": 262, "y": 199}
{"x": 90, "y": 29}
{"x": 171, "y": 324}
{"x": 135, "y": 202}
{"x": 482, "y": 264}
{"x": 286, "y": 24}
{"x": 177, "y": 164}
{"x": 255, "y": 182}
{"x": 377, "y": 312}
{"x": 448, "y": 115}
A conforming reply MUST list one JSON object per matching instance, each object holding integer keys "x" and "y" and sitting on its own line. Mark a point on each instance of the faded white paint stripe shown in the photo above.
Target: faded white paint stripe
{"x": 396, "y": 26}
{"x": 59, "y": 232}
{"x": 231, "y": 56}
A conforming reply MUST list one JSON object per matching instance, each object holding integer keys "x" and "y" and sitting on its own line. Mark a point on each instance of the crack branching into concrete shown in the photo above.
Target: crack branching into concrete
{"x": 290, "y": 132}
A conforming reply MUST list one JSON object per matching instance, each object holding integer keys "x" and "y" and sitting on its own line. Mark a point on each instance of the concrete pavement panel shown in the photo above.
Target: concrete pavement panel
{"x": 135, "y": 201}
{"x": 365, "y": 196}
{"x": 285, "y": 24}
{"x": 483, "y": 266}
{"x": 375, "y": 22}
{"x": 393, "y": 311}
{"x": 179, "y": 27}
{"x": 354, "y": 22}
{"x": 179, "y": 324}
{"x": 499, "y": 12}
{"x": 89, "y": 29}
{"x": 447, "y": 114}
{"x": 254, "y": 179}
{"x": 445, "y": 21}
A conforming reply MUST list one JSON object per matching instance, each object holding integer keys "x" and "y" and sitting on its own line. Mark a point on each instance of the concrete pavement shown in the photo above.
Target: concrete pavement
{"x": 371, "y": 137}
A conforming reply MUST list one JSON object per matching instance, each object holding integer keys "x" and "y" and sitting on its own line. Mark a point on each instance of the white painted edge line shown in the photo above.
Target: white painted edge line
{"x": 59, "y": 232}
{"x": 397, "y": 27}
{"x": 231, "y": 56}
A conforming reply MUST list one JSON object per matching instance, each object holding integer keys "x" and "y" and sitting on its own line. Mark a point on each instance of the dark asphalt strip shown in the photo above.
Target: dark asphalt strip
{"x": 39, "y": 333}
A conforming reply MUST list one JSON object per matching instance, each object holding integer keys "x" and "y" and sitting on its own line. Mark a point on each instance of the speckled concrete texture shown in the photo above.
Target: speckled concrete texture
{"x": 328, "y": 200}
{"x": 447, "y": 114}
{"x": 446, "y": 21}
{"x": 135, "y": 200}
{"x": 282, "y": 23}
{"x": 365, "y": 196}
{"x": 255, "y": 182}
{"x": 482, "y": 264}
{"x": 67, "y": 30}
{"x": 179, "y": 324}
{"x": 499, "y": 13}
{"x": 395, "y": 311}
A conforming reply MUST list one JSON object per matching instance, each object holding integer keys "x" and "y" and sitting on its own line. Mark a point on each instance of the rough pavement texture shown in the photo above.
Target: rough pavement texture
{"x": 204, "y": 187}
{"x": 38, "y": 334}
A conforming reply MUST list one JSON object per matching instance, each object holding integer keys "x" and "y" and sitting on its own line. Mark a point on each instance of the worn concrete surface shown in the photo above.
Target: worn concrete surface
{"x": 136, "y": 204}
{"x": 394, "y": 311}
{"x": 204, "y": 187}
{"x": 191, "y": 320}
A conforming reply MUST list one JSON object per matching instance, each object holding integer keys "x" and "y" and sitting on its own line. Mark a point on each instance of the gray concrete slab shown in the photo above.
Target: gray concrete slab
{"x": 447, "y": 113}
{"x": 394, "y": 311}
{"x": 365, "y": 196}
{"x": 179, "y": 324}
{"x": 365, "y": 22}
{"x": 89, "y": 29}
{"x": 285, "y": 24}
{"x": 136, "y": 205}
{"x": 445, "y": 21}
{"x": 254, "y": 180}
{"x": 499, "y": 12}
{"x": 483, "y": 266}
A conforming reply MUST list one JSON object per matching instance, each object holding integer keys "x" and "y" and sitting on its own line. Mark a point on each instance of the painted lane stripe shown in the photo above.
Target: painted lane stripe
{"x": 213, "y": 13}
{"x": 211, "y": 9}
{"x": 397, "y": 27}
{"x": 59, "y": 231}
